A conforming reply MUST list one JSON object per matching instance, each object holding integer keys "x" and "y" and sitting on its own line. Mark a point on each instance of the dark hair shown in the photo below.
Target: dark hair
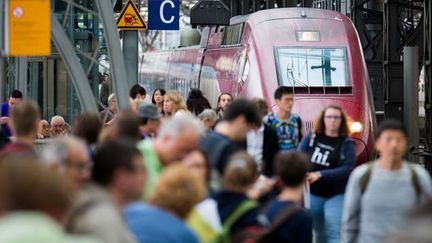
{"x": 196, "y": 102}
{"x": 219, "y": 98}
{"x": 16, "y": 94}
{"x": 292, "y": 167}
{"x": 261, "y": 106}
{"x": 242, "y": 107}
{"x": 110, "y": 156}
{"x": 127, "y": 125}
{"x": 87, "y": 126}
{"x": 162, "y": 91}
{"x": 391, "y": 124}
{"x": 135, "y": 90}
{"x": 319, "y": 126}
{"x": 281, "y": 91}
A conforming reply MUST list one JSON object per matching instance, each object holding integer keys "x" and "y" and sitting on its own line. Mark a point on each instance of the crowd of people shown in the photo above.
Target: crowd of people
{"x": 181, "y": 171}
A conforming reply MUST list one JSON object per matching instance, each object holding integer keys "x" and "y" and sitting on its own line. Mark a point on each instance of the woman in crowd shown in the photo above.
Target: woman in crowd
{"x": 196, "y": 102}
{"x": 332, "y": 155}
{"x": 158, "y": 99}
{"x": 176, "y": 193}
{"x": 173, "y": 103}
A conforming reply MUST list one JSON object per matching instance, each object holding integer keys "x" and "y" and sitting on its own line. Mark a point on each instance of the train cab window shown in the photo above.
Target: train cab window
{"x": 312, "y": 67}
{"x": 233, "y": 34}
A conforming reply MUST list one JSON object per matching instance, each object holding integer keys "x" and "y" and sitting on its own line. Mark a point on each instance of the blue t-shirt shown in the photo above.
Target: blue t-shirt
{"x": 288, "y": 132}
{"x": 5, "y": 112}
{"x": 296, "y": 229}
{"x": 152, "y": 224}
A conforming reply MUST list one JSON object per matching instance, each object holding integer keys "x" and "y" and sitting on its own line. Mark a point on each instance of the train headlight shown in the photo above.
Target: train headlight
{"x": 356, "y": 127}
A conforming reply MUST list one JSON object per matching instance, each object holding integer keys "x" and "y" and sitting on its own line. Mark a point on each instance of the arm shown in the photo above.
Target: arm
{"x": 346, "y": 163}
{"x": 304, "y": 144}
{"x": 351, "y": 210}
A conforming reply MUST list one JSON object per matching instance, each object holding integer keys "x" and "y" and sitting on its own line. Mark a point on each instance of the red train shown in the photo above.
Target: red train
{"x": 315, "y": 51}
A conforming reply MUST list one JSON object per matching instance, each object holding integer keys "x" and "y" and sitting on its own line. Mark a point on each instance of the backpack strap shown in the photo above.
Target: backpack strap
{"x": 415, "y": 181}
{"x": 243, "y": 208}
{"x": 299, "y": 122}
{"x": 364, "y": 180}
{"x": 283, "y": 217}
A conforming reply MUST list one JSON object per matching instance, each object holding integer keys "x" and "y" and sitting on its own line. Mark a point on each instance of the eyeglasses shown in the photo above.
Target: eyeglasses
{"x": 333, "y": 117}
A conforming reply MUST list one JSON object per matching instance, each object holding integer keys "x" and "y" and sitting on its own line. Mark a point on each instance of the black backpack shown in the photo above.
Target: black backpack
{"x": 259, "y": 234}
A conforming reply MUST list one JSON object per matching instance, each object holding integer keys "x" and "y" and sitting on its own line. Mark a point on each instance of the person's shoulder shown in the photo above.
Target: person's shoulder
{"x": 421, "y": 172}
{"x": 360, "y": 170}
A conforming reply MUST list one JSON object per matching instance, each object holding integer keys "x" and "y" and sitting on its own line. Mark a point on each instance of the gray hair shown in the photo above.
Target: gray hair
{"x": 58, "y": 150}
{"x": 57, "y": 117}
{"x": 209, "y": 114}
{"x": 180, "y": 122}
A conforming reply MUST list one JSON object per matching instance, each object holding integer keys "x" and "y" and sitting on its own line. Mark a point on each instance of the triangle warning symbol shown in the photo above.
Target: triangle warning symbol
{"x": 130, "y": 18}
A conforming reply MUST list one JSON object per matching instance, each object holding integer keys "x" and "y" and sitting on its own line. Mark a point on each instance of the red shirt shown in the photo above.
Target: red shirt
{"x": 18, "y": 148}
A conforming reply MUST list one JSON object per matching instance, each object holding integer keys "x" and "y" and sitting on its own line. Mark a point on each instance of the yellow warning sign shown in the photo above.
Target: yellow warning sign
{"x": 130, "y": 18}
{"x": 29, "y": 28}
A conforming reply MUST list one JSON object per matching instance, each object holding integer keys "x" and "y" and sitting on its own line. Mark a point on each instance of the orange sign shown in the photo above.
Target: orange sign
{"x": 130, "y": 18}
{"x": 29, "y": 23}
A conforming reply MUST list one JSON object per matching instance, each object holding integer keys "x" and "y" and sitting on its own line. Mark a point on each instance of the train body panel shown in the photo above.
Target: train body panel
{"x": 315, "y": 51}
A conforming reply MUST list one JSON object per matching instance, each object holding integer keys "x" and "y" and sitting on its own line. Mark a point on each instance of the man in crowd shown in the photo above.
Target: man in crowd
{"x": 150, "y": 121}
{"x": 137, "y": 93}
{"x": 25, "y": 121}
{"x": 6, "y": 108}
{"x": 240, "y": 116}
{"x": 262, "y": 142}
{"x": 70, "y": 157}
{"x": 289, "y": 126}
{"x": 44, "y": 129}
{"x": 176, "y": 139}
{"x": 119, "y": 175}
{"x": 208, "y": 118}
{"x": 58, "y": 126}
{"x": 223, "y": 102}
{"x": 380, "y": 194}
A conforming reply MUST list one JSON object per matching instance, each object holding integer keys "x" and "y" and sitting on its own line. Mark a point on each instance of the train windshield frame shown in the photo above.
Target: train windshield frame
{"x": 312, "y": 66}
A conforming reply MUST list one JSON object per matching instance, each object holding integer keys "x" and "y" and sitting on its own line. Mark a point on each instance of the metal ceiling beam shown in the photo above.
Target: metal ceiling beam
{"x": 75, "y": 70}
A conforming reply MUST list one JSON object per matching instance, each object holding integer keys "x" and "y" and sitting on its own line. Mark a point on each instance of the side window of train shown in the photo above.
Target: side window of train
{"x": 233, "y": 34}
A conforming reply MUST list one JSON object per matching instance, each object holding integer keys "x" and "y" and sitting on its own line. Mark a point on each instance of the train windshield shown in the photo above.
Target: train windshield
{"x": 312, "y": 66}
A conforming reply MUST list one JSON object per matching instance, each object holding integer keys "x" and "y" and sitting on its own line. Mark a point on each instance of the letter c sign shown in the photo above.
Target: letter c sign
{"x": 164, "y": 14}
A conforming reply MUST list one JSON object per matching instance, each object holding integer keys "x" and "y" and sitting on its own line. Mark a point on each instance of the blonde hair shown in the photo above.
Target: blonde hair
{"x": 240, "y": 173}
{"x": 178, "y": 190}
{"x": 178, "y": 101}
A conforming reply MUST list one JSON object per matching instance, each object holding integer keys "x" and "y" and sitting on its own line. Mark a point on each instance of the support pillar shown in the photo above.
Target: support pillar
{"x": 130, "y": 52}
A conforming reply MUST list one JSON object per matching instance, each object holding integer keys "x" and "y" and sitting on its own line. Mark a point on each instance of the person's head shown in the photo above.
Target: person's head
{"x": 242, "y": 116}
{"x": 224, "y": 100}
{"x": 87, "y": 126}
{"x": 70, "y": 157}
{"x": 26, "y": 185}
{"x": 197, "y": 162}
{"x": 15, "y": 98}
{"x": 284, "y": 97}
{"x": 44, "y": 128}
{"x": 58, "y": 126}
{"x": 178, "y": 137}
{"x": 112, "y": 103}
{"x": 240, "y": 173}
{"x": 25, "y": 119}
{"x": 178, "y": 191}
{"x": 127, "y": 126}
{"x": 391, "y": 140}
{"x": 332, "y": 119}
{"x": 261, "y": 106}
{"x": 119, "y": 166}
{"x": 137, "y": 92}
{"x": 150, "y": 118}
{"x": 291, "y": 169}
{"x": 173, "y": 102}
{"x": 208, "y": 118}
{"x": 158, "y": 97}
{"x": 196, "y": 102}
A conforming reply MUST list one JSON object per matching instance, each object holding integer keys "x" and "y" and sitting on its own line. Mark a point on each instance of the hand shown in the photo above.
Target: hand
{"x": 4, "y": 120}
{"x": 263, "y": 186}
{"x": 313, "y": 177}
